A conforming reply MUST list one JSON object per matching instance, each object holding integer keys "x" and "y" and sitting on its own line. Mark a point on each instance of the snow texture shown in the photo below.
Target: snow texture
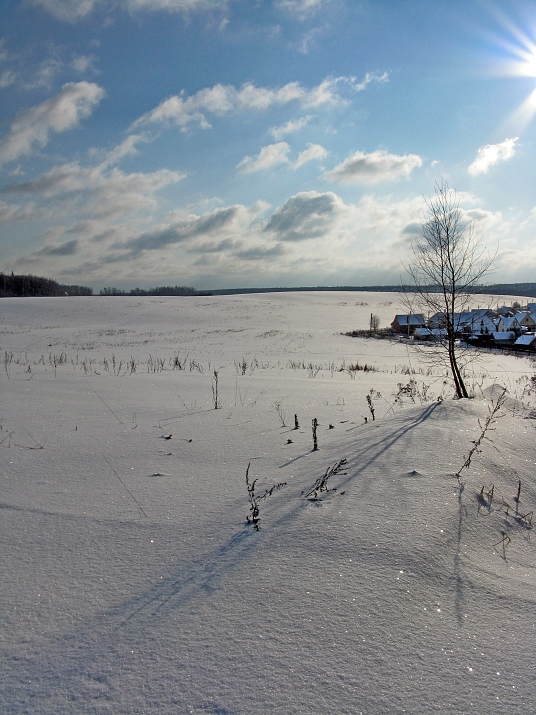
{"x": 131, "y": 581}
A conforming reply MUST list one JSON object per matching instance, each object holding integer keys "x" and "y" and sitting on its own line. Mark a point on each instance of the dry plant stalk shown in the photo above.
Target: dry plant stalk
{"x": 254, "y": 499}
{"x": 315, "y": 440}
{"x": 494, "y": 414}
{"x": 321, "y": 484}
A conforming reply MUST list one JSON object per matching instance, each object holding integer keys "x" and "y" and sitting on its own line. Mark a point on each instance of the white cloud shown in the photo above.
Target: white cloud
{"x": 370, "y": 77}
{"x": 182, "y": 110}
{"x": 32, "y": 127}
{"x": 312, "y": 238}
{"x": 7, "y": 78}
{"x": 68, "y": 10}
{"x": 492, "y": 154}
{"x": 15, "y": 213}
{"x": 276, "y": 154}
{"x": 307, "y": 41}
{"x": 373, "y": 168}
{"x": 128, "y": 147}
{"x": 183, "y": 6}
{"x": 98, "y": 191}
{"x": 291, "y": 127}
{"x": 313, "y": 152}
{"x": 269, "y": 156}
{"x": 3, "y": 50}
{"x": 301, "y": 8}
{"x": 74, "y": 10}
{"x": 47, "y": 71}
{"x": 83, "y": 63}
{"x": 305, "y": 215}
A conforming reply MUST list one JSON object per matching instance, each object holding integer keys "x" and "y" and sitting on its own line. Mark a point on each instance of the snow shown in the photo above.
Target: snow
{"x": 131, "y": 582}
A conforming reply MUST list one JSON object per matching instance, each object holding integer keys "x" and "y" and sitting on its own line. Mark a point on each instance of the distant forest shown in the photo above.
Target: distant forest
{"x": 12, "y": 286}
{"x": 162, "y": 290}
{"x": 28, "y": 285}
{"x": 521, "y": 289}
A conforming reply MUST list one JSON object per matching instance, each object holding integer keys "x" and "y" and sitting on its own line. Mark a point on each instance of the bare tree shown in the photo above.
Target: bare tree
{"x": 374, "y": 322}
{"x": 448, "y": 261}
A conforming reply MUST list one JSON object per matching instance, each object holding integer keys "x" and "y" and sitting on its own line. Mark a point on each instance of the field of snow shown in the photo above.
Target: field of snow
{"x": 131, "y": 580}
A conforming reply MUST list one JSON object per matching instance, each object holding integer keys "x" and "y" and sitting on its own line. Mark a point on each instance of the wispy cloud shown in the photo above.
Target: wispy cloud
{"x": 68, "y": 10}
{"x": 491, "y": 154}
{"x": 314, "y": 152}
{"x": 69, "y": 248}
{"x": 182, "y": 110}
{"x": 181, "y": 6}
{"x": 269, "y": 156}
{"x": 8, "y": 76}
{"x": 291, "y": 127}
{"x": 99, "y": 191}
{"x": 277, "y": 154}
{"x": 83, "y": 63}
{"x": 16, "y": 213}
{"x": 128, "y": 147}
{"x": 74, "y": 10}
{"x": 32, "y": 127}
{"x": 301, "y": 8}
{"x": 183, "y": 230}
{"x": 373, "y": 168}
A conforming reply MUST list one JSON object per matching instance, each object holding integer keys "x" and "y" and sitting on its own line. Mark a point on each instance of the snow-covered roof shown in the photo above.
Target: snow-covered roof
{"x": 511, "y": 321}
{"x": 467, "y": 317}
{"x": 430, "y": 333}
{"x": 411, "y": 319}
{"x": 504, "y": 337}
{"x": 527, "y": 339}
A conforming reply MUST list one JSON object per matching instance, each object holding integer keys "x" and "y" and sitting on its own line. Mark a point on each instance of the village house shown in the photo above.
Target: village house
{"x": 528, "y": 321}
{"x": 467, "y": 322}
{"x": 510, "y": 324}
{"x": 406, "y": 324}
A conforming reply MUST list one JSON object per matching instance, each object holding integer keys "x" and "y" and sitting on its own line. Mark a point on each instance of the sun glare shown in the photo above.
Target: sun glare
{"x": 519, "y": 60}
{"x": 525, "y": 66}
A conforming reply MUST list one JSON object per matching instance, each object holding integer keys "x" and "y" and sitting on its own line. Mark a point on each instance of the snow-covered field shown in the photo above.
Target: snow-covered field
{"x": 130, "y": 580}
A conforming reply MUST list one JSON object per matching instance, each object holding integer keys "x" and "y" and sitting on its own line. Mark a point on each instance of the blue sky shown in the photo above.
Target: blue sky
{"x": 226, "y": 143}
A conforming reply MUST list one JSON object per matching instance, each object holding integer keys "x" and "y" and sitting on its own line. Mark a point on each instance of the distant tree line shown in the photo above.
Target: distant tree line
{"x": 161, "y": 290}
{"x": 12, "y": 286}
{"x": 521, "y": 289}
{"x": 525, "y": 289}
